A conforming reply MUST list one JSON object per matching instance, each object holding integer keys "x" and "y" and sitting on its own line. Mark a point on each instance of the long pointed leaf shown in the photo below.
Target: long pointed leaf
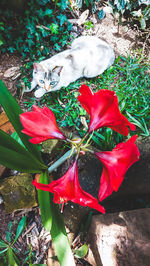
{"x": 17, "y": 152}
{"x": 3, "y": 244}
{"x": 13, "y": 111}
{"x": 4, "y": 250}
{"x": 12, "y": 259}
{"x": 20, "y": 162}
{"x": 60, "y": 239}
{"x": 20, "y": 228}
{"x": 52, "y": 218}
{"x": 10, "y": 143}
{"x": 44, "y": 203}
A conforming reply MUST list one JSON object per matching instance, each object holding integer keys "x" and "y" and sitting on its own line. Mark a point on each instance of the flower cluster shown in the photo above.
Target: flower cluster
{"x": 103, "y": 109}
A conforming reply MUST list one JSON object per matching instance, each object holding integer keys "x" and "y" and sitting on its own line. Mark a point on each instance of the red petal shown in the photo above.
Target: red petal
{"x": 115, "y": 164}
{"x": 40, "y": 124}
{"x": 68, "y": 188}
{"x": 104, "y": 110}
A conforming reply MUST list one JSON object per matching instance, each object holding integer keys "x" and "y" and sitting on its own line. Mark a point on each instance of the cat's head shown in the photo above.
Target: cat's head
{"x": 46, "y": 79}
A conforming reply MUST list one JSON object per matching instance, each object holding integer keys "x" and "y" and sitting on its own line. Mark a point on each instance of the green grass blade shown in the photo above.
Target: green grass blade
{"x": 96, "y": 140}
{"x": 45, "y": 204}
{"x": 13, "y": 111}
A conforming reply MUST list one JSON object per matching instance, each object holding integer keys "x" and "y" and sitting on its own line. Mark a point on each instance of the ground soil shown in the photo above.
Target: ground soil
{"x": 124, "y": 39}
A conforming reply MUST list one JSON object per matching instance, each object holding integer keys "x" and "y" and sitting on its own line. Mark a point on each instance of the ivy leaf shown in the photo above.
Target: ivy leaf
{"x": 63, "y": 5}
{"x": 54, "y": 28}
{"x": 48, "y": 12}
{"x": 57, "y": 47}
{"x": 62, "y": 18}
{"x": 120, "y": 5}
{"x": 101, "y": 14}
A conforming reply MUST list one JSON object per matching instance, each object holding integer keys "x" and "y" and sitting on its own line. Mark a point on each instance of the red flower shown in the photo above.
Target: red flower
{"x": 115, "y": 164}
{"x": 41, "y": 125}
{"x": 104, "y": 110}
{"x": 68, "y": 188}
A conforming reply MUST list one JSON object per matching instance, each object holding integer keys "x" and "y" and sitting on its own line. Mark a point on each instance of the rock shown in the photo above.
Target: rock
{"x": 121, "y": 238}
{"x": 18, "y": 192}
{"x": 48, "y": 146}
{"x": 90, "y": 258}
{"x": 12, "y": 72}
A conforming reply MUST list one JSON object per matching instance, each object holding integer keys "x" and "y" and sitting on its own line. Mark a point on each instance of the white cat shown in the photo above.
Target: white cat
{"x": 88, "y": 57}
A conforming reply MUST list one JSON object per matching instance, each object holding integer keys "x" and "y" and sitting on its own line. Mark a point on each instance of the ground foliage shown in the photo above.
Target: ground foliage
{"x": 138, "y": 11}
{"x": 33, "y": 31}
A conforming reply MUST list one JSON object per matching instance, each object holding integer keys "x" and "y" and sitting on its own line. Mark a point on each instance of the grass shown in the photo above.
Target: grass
{"x": 129, "y": 78}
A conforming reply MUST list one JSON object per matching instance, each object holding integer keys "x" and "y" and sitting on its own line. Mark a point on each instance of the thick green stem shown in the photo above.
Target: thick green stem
{"x": 61, "y": 160}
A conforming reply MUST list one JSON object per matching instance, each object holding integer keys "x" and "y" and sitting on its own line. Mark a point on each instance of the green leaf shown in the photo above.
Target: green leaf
{"x": 4, "y": 250}
{"x": 19, "y": 162}
{"x": 54, "y": 28}
{"x": 52, "y": 218}
{"x": 14, "y": 156}
{"x": 13, "y": 111}
{"x": 96, "y": 140}
{"x": 62, "y": 18}
{"x": 99, "y": 135}
{"x": 8, "y": 236}
{"x": 79, "y": 3}
{"x": 8, "y": 142}
{"x": 3, "y": 244}
{"x": 48, "y": 12}
{"x": 143, "y": 23}
{"x": 146, "y": 13}
{"x": 101, "y": 14}
{"x": 15, "y": 136}
{"x": 12, "y": 259}
{"x": 60, "y": 239}
{"x": 20, "y": 228}
{"x": 87, "y": 3}
{"x": 44, "y": 203}
{"x": 81, "y": 252}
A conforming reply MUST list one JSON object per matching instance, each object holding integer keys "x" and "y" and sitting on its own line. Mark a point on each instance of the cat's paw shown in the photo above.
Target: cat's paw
{"x": 27, "y": 89}
{"x": 39, "y": 93}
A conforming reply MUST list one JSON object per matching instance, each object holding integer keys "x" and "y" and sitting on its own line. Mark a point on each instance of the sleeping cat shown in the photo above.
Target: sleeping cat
{"x": 88, "y": 57}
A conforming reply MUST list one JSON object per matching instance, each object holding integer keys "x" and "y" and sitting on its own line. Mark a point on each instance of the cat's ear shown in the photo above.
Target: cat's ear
{"x": 57, "y": 69}
{"x": 38, "y": 67}
{"x": 35, "y": 67}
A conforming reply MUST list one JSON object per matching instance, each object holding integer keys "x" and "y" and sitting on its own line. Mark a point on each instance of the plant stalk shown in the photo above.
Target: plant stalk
{"x": 61, "y": 160}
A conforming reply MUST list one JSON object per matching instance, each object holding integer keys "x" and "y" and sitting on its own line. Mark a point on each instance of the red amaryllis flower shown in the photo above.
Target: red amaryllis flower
{"x": 115, "y": 164}
{"x": 41, "y": 125}
{"x": 68, "y": 188}
{"x": 104, "y": 110}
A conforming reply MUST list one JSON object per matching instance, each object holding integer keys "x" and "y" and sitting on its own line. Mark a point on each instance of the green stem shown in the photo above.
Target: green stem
{"x": 83, "y": 139}
{"x": 61, "y": 160}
